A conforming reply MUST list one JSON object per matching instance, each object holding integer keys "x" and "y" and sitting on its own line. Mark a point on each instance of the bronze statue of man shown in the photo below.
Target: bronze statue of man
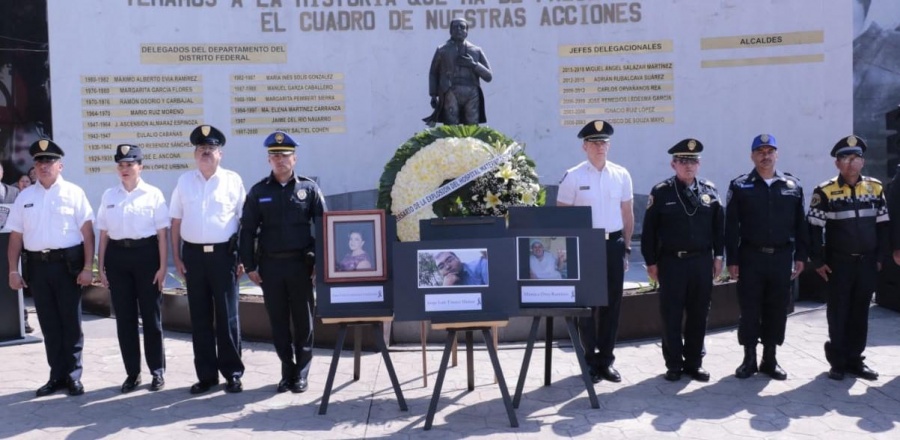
{"x": 453, "y": 81}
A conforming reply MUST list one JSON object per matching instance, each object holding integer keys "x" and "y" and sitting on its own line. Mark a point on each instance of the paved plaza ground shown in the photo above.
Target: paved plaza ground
{"x": 643, "y": 405}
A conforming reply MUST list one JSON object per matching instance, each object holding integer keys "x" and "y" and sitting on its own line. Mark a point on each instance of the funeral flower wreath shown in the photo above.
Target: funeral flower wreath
{"x": 439, "y": 155}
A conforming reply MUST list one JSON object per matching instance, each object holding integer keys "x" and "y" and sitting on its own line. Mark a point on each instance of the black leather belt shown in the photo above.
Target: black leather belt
{"x": 207, "y": 248}
{"x": 47, "y": 255}
{"x": 134, "y": 243}
{"x": 686, "y": 254}
{"x": 283, "y": 255}
{"x": 768, "y": 249}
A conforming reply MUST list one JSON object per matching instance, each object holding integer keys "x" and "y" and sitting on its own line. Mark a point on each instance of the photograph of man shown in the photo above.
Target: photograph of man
{"x": 457, "y": 267}
{"x": 544, "y": 264}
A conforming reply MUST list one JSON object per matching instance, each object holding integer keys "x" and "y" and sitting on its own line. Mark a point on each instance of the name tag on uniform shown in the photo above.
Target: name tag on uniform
{"x": 746, "y": 186}
{"x": 584, "y": 188}
{"x": 29, "y": 205}
{"x": 266, "y": 199}
{"x": 789, "y": 192}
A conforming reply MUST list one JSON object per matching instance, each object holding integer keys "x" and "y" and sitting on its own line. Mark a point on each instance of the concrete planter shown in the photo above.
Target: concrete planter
{"x": 95, "y": 300}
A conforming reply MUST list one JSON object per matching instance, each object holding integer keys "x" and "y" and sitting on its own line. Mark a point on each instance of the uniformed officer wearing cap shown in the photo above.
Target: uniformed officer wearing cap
{"x": 278, "y": 253}
{"x": 133, "y": 220}
{"x": 205, "y": 212}
{"x": 683, "y": 243}
{"x": 849, "y": 239}
{"x": 605, "y": 187}
{"x": 53, "y": 221}
{"x": 766, "y": 240}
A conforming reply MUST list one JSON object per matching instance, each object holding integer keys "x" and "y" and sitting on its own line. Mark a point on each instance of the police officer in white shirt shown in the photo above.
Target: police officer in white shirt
{"x": 53, "y": 221}
{"x": 605, "y": 187}
{"x": 205, "y": 211}
{"x": 133, "y": 220}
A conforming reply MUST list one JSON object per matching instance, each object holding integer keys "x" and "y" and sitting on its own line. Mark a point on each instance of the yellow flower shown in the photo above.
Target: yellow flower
{"x": 528, "y": 198}
{"x": 491, "y": 200}
{"x": 506, "y": 173}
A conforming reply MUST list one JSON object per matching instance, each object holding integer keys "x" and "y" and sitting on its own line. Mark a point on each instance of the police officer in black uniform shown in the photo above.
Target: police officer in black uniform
{"x": 278, "y": 253}
{"x": 766, "y": 243}
{"x": 849, "y": 239}
{"x": 683, "y": 243}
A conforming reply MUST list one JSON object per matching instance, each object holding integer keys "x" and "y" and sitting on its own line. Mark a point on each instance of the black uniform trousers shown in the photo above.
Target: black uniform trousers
{"x": 130, "y": 274}
{"x": 598, "y": 333}
{"x": 850, "y": 286}
{"x": 764, "y": 292}
{"x": 213, "y": 300}
{"x": 57, "y": 298}
{"x": 287, "y": 291}
{"x": 685, "y": 287}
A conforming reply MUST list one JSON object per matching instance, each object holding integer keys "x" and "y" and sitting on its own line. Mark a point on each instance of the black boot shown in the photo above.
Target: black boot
{"x": 769, "y": 365}
{"x": 748, "y": 366}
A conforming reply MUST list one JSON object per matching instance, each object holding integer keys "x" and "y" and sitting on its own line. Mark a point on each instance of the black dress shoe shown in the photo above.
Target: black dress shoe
{"x": 609, "y": 373}
{"x": 52, "y": 386}
{"x": 673, "y": 375}
{"x": 698, "y": 374}
{"x": 284, "y": 385}
{"x": 594, "y": 375}
{"x": 75, "y": 388}
{"x": 157, "y": 383}
{"x": 234, "y": 385}
{"x": 203, "y": 386}
{"x": 28, "y": 328}
{"x": 300, "y": 386}
{"x": 863, "y": 372}
{"x": 131, "y": 382}
{"x": 835, "y": 374}
{"x": 773, "y": 370}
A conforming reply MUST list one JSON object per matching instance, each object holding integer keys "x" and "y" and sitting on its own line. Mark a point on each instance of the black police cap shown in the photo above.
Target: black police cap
{"x": 849, "y": 145}
{"x": 207, "y": 135}
{"x": 45, "y": 148}
{"x": 280, "y": 142}
{"x": 596, "y": 130}
{"x": 128, "y": 153}
{"x": 689, "y": 148}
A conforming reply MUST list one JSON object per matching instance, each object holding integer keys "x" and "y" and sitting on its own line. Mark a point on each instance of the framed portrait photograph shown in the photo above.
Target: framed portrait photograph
{"x": 354, "y": 246}
{"x": 548, "y": 258}
{"x": 439, "y": 268}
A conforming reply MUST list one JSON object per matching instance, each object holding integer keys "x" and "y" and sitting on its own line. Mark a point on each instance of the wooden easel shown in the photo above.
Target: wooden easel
{"x": 423, "y": 337}
{"x": 468, "y": 327}
{"x": 358, "y": 323}
{"x": 548, "y": 314}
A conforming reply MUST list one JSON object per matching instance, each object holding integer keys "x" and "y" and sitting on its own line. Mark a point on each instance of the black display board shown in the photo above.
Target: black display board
{"x": 579, "y": 280}
{"x": 11, "y": 327}
{"x": 532, "y": 217}
{"x": 356, "y": 299}
{"x": 461, "y": 280}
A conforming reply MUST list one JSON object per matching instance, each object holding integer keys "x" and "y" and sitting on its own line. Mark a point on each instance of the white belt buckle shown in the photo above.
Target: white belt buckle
{"x": 607, "y": 235}
{"x": 207, "y": 248}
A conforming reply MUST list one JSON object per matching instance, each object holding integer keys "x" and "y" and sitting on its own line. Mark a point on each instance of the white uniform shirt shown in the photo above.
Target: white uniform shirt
{"x": 50, "y": 218}
{"x": 210, "y": 210}
{"x": 132, "y": 215}
{"x": 604, "y": 191}
{"x": 546, "y": 267}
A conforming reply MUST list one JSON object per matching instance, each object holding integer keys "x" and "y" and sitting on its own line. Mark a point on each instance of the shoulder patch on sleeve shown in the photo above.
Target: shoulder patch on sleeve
{"x": 816, "y": 199}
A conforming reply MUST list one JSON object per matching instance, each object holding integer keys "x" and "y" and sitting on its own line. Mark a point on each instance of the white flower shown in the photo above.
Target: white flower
{"x": 506, "y": 173}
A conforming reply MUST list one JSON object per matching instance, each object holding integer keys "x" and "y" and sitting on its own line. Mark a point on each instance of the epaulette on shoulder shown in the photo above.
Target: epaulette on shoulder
{"x": 304, "y": 178}
{"x": 663, "y": 184}
{"x": 706, "y": 183}
{"x": 740, "y": 179}
{"x": 871, "y": 179}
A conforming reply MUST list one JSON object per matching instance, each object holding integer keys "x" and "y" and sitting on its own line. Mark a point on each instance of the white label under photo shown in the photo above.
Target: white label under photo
{"x": 548, "y": 294}
{"x": 452, "y": 302}
{"x": 357, "y": 294}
